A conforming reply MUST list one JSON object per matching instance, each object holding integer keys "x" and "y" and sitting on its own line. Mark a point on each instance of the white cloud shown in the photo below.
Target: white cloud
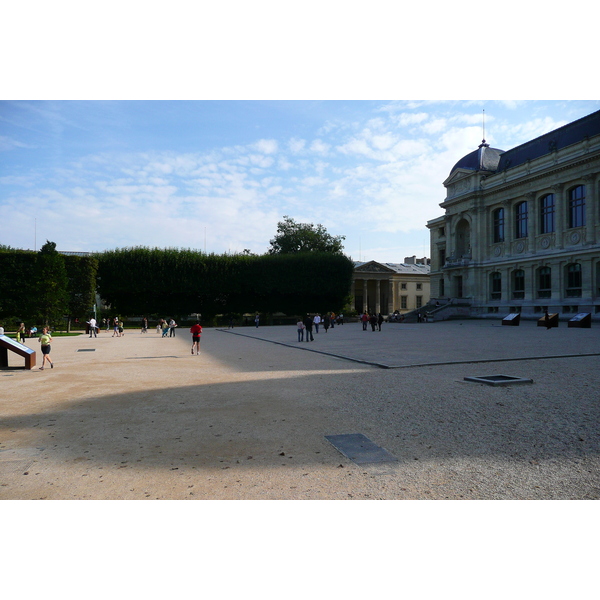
{"x": 296, "y": 145}
{"x": 7, "y": 143}
{"x": 266, "y": 146}
{"x": 319, "y": 147}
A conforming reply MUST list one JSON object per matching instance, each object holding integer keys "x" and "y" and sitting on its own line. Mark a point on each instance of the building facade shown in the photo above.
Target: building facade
{"x": 389, "y": 287}
{"x": 521, "y": 228}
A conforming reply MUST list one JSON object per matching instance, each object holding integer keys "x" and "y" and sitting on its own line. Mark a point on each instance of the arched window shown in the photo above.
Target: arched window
{"x": 547, "y": 213}
{"x": 521, "y": 220}
{"x": 577, "y": 206}
{"x": 496, "y": 286}
{"x": 498, "y": 225}
{"x": 463, "y": 238}
{"x": 573, "y": 281}
{"x": 518, "y": 281}
{"x": 544, "y": 282}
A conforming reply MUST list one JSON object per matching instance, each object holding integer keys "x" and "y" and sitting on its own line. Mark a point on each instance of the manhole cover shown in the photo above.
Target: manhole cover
{"x": 360, "y": 449}
{"x": 498, "y": 379}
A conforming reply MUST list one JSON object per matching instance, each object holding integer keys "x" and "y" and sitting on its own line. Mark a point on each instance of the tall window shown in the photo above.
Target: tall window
{"x": 442, "y": 288}
{"x": 521, "y": 220}
{"x": 519, "y": 283}
{"x": 403, "y": 301}
{"x": 577, "y": 206}
{"x": 419, "y": 302}
{"x": 573, "y": 281}
{"x": 547, "y": 213}
{"x": 544, "y": 282}
{"x": 498, "y": 218}
{"x": 442, "y": 257}
{"x": 496, "y": 286}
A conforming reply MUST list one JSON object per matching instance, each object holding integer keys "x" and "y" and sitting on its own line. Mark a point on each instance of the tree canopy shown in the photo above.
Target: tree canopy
{"x": 157, "y": 281}
{"x": 45, "y": 286}
{"x": 295, "y": 237}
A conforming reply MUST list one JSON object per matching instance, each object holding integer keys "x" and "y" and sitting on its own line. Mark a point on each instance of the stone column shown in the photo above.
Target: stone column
{"x": 365, "y": 295}
{"x": 390, "y": 309}
{"x": 378, "y": 296}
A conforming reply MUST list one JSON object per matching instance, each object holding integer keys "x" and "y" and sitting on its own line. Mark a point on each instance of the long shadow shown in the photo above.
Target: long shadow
{"x": 284, "y": 421}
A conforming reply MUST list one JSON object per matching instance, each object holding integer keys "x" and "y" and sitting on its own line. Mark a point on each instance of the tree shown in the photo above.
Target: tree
{"x": 51, "y": 285}
{"x": 295, "y": 237}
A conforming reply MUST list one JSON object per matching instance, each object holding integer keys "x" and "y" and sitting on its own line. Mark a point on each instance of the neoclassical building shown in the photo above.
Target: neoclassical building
{"x": 387, "y": 287}
{"x": 521, "y": 228}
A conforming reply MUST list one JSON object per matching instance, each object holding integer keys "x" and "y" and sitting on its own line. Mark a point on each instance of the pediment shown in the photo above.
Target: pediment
{"x": 457, "y": 175}
{"x": 373, "y": 267}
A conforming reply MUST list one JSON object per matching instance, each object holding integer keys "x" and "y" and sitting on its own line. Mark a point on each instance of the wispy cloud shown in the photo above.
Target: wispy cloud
{"x": 376, "y": 178}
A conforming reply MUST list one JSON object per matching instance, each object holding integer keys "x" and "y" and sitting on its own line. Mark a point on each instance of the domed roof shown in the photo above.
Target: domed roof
{"x": 482, "y": 159}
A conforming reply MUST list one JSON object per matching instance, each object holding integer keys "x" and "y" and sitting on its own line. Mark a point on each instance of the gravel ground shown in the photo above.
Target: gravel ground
{"x": 140, "y": 418}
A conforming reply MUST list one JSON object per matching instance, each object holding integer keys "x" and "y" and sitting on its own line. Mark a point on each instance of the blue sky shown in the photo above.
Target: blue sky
{"x": 201, "y": 126}
{"x": 219, "y": 175}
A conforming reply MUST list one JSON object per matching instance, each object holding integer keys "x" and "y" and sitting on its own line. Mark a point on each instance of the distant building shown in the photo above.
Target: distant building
{"x": 521, "y": 228}
{"x": 387, "y": 287}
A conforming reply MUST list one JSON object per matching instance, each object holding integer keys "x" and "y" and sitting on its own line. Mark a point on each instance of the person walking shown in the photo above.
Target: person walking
{"x": 300, "y": 326}
{"x": 379, "y": 320}
{"x": 165, "y": 328}
{"x": 21, "y": 333}
{"x": 172, "y": 326}
{"x": 144, "y": 325}
{"x": 308, "y": 323}
{"x": 92, "y": 323}
{"x": 116, "y": 327}
{"x": 326, "y": 322}
{"x": 45, "y": 340}
{"x": 317, "y": 322}
{"x": 373, "y": 321}
{"x": 256, "y": 319}
{"x": 365, "y": 319}
{"x": 196, "y": 331}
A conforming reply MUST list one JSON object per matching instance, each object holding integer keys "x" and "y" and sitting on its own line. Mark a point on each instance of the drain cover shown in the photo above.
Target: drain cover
{"x": 87, "y": 350}
{"x": 360, "y": 449}
{"x": 498, "y": 379}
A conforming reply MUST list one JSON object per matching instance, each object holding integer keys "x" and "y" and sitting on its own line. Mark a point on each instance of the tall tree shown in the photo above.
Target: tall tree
{"x": 51, "y": 285}
{"x": 295, "y": 237}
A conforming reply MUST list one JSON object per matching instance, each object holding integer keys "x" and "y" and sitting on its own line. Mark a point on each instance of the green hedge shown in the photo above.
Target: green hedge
{"x": 137, "y": 281}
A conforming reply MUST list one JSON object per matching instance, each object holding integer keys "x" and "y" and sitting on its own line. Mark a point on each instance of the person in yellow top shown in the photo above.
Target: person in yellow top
{"x": 45, "y": 340}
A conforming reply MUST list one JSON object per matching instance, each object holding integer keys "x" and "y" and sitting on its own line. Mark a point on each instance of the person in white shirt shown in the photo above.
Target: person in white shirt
{"x": 317, "y": 322}
{"x": 93, "y": 327}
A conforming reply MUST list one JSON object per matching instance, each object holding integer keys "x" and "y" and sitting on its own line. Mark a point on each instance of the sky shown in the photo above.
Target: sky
{"x": 217, "y": 176}
{"x": 202, "y": 126}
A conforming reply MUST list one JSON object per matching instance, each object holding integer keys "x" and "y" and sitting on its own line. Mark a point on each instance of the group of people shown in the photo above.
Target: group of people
{"x": 306, "y": 325}
{"x": 375, "y": 320}
{"x": 166, "y": 327}
{"x": 23, "y": 333}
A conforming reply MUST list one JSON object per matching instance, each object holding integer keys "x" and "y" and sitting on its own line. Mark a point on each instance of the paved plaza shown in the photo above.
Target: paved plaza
{"x": 251, "y": 417}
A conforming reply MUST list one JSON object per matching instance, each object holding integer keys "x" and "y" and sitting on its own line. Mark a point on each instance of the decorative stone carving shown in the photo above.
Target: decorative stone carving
{"x": 545, "y": 243}
{"x": 519, "y": 247}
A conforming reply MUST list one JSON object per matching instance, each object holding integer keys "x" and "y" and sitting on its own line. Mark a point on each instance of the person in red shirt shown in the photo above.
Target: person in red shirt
{"x": 196, "y": 331}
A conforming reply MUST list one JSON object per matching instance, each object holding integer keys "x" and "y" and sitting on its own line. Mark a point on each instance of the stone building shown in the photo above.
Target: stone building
{"x": 521, "y": 228}
{"x": 387, "y": 287}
